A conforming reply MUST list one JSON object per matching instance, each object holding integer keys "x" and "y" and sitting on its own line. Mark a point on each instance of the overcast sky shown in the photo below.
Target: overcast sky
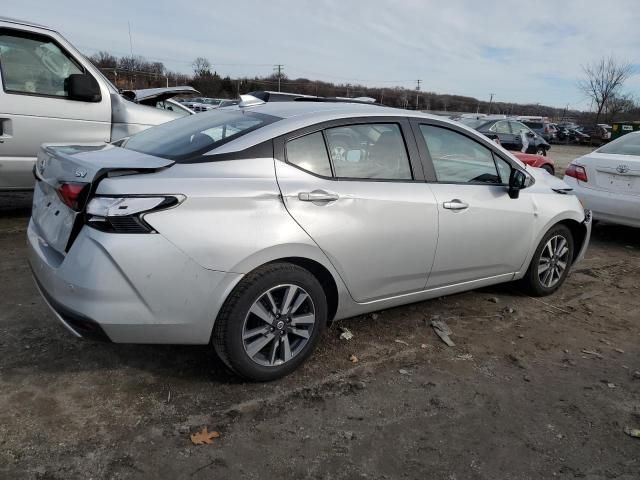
{"x": 527, "y": 51}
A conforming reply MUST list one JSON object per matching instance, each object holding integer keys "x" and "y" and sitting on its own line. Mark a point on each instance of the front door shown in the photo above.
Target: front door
{"x": 34, "y": 108}
{"x": 483, "y": 232}
{"x": 365, "y": 204}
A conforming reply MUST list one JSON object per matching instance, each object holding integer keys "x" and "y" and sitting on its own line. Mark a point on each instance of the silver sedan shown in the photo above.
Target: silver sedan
{"x": 251, "y": 227}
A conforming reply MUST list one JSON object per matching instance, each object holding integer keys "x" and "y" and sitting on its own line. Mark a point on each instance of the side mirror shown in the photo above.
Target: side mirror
{"x": 82, "y": 87}
{"x": 517, "y": 181}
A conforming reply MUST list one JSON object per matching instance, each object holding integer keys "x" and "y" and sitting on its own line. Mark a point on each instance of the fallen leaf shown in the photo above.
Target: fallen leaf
{"x": 204, "y": 436}
{"x": 353, "y": 359}
{"x": 401, "y": 341}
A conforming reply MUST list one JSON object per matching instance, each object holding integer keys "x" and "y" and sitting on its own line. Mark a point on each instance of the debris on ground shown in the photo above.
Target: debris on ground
{"x": 632, "y": 432}
{"x": 204, "y": 436}
{"x": 493, "y": 299}
{"x": 402, "y": 371}
{"x": 375, "y": 316}
{"x": 397, "y": 340}
{"x": 591, "y": 352}
{"x": 443, "y": 331}
{"x": 611, "y": 385}
{"x": 636, "y": 375}
{"x": 508, "y": 310}
{"x": 353, "y": 359}
{"x": 424, "y": 345}
{"x": 465, "y": 356}
{"x": 346, "y": 334}
{"x": 619, "y": 350}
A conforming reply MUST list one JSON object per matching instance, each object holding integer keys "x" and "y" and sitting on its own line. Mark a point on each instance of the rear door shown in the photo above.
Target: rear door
{"x": 483, "y": 233}
{"x": 33, "y": 104}
{"x": 507, "y": 138}
{"x": 357, "y": 188}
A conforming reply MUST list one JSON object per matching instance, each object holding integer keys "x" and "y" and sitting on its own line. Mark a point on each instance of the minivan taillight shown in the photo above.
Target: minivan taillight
{"x": 73, "y": 194}
{"x": 577, "y": 171}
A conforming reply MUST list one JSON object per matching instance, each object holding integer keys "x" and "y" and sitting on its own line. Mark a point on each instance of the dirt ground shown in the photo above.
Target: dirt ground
{"x": 517, "y": 397}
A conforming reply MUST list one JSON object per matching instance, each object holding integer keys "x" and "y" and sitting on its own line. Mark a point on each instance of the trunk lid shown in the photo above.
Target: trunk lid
{"x": 81, "y": 166}
{"x": 612, "y": 172}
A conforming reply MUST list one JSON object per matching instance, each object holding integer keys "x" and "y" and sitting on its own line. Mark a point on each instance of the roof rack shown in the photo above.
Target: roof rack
{"x": 268, "y": 96}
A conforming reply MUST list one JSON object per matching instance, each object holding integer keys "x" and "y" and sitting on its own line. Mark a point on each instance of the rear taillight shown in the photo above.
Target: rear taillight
{"x": 126, "y": 214}
{"x": 577, "y": 171}
{"x": 73, "y": 194}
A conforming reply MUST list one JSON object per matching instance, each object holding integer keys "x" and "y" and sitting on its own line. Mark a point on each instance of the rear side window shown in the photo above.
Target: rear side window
{"x": 626, "y": 145}
{"x": 375, "y": 151}
{"x": 188, "y": 137}
{"x": 310, "y": 154}
{"x": 535, "y": 125}
{"x": 459, "y": 159}
{"x": 34, "y": 65}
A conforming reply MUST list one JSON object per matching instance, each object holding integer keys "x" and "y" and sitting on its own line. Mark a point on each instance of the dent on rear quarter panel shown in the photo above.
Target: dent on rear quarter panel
{"x": 233, "y": 218}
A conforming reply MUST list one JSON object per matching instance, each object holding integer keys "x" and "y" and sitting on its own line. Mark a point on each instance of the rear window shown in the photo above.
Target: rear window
{"x": 195, "y": 135}
{"x": 534, "y": 124}
{"x": 627, "y": 145}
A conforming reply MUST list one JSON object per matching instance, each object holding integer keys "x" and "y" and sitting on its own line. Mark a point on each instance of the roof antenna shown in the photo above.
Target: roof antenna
{"x": 250, "y": 101}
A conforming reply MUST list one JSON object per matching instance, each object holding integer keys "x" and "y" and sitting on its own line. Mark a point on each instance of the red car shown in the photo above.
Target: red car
{"x": 534, "y": 160}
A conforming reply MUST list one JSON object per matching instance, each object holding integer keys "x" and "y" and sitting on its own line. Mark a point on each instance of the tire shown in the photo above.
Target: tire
{"x": 287, "y": 344}
{"x": 534, "y": 281}
{"x": 548, "y": 168}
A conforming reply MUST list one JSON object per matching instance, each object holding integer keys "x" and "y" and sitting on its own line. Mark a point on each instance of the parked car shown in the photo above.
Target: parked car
{"x": 566, "y": 135}
{"x": 202, "y": 104}
{"x": 243, "y": 228}
{"x": 538, "y": 161}
{"x": 509, "y": 133}
{"x": 598, "y": 134}
{"x": 543, "y": 128}
{"x": 52, "y": 93}
{"x": 607, "y": 180}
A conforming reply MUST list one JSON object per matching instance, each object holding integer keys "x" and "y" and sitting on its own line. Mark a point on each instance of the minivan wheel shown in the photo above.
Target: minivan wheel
{"x": 551, "y": 262}
{"x": 271, "y": 322}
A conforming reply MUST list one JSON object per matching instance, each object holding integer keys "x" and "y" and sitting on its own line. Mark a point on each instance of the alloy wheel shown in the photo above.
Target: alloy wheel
{"x": 553, "y": 261}
{"x": 278, "y": 325}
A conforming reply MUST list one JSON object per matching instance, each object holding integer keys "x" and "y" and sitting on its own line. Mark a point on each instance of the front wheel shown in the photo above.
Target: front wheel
{"x": 271, "y": 322}
{"x": 548, "y": 168}
{"x": 551, "y": 262}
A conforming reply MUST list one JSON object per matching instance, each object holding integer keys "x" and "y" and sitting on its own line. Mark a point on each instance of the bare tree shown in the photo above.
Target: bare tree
{"x": 603, "y": 80}
{"x": 619, "y": 103}
{"x": 201, "y": 67}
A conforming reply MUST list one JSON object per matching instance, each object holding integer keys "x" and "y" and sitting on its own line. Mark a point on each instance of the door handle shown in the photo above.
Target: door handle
{"x": 318, "y": 196}
{"x": 455, "y": 204}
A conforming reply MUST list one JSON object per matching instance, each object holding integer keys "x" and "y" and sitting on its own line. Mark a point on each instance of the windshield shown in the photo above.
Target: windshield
{"x": 189, "y": 137}
{"x": 627, "y": 145}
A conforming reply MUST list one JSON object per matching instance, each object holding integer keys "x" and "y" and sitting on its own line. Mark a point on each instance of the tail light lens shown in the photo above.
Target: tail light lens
{"x": 577, "y": 171}
{"x": 73, "y": 194}
{"x": 125, "y": 214}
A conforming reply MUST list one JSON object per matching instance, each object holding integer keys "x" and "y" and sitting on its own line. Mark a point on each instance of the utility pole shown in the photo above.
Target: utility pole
{"x": 347, "y": 91}
{"x": 417, "y": 92}
{"x": 278, "y": 68}
{"x": 130, "y": 41}
{"x": 490, "y": 102}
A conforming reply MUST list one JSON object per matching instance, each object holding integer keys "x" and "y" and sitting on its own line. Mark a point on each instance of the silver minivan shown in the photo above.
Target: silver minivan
{"x": 52, "y": 93}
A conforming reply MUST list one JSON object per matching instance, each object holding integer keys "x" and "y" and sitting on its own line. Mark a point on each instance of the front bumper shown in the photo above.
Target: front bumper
{"x": 129, "y": 288}
{"x": 587, "y": 223}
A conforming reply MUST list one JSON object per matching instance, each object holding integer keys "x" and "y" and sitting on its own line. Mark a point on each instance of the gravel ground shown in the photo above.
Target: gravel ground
{"x": 518, "y": 397}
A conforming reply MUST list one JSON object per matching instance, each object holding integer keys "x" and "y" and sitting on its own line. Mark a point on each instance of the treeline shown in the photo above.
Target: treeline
{"x": 137, "y": 72}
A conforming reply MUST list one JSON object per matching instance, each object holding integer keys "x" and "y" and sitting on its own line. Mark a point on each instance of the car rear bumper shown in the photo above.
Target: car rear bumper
{"x": 608, "y": 206}
{"x": 128, "y": 288}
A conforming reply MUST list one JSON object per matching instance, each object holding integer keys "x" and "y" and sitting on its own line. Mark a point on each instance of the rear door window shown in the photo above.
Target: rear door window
{"x": 369, "y": 151}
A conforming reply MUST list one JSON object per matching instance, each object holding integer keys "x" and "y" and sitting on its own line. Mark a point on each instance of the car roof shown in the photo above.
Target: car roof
{"x": 25, "y": 23}
{"x": 300, "y": 114}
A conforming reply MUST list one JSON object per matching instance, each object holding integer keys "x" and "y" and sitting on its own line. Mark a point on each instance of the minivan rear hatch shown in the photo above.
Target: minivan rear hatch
{"x": 66, "y": 177}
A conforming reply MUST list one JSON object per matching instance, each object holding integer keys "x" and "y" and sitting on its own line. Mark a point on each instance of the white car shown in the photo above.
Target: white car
{"x": 607, "y": 181}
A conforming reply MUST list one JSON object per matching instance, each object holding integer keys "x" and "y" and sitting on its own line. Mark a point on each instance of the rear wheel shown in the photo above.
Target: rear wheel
{"x": 551, "y": 262}
{"x": 541, "y": 151}
{"x": 271, "y": 322}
